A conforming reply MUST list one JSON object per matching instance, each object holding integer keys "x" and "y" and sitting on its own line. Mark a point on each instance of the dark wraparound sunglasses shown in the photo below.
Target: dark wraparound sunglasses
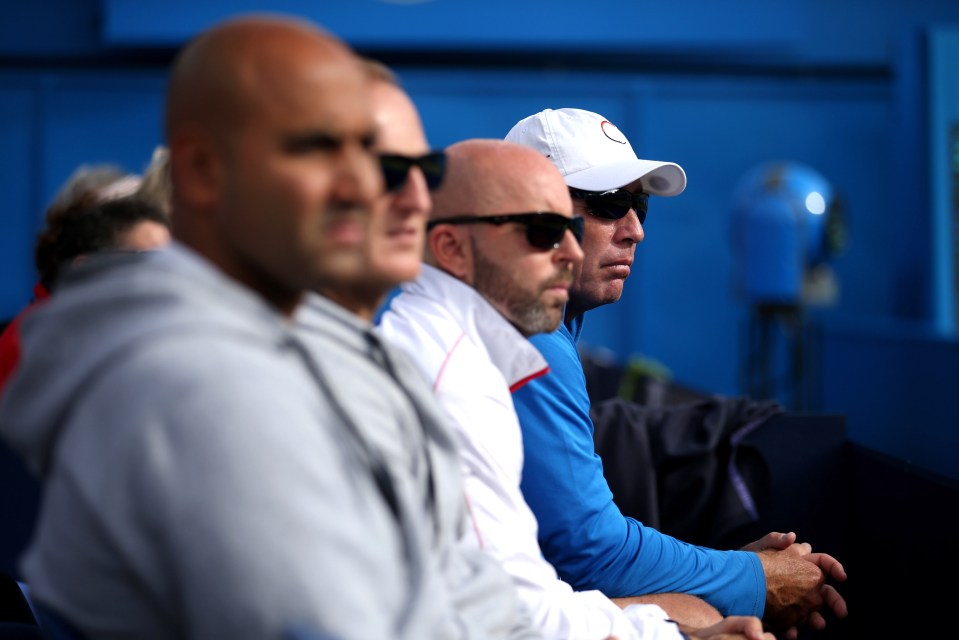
{"x": 396, "y": 169}
{"x": 544, "y": 229}
{"x": 613, "y": 204}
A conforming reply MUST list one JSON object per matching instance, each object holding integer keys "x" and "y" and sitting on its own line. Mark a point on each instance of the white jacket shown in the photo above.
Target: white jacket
{"x": 474, "y": 359}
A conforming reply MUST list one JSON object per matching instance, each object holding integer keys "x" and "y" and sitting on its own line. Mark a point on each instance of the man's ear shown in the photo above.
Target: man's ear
{"x": 451, "y": 251}
{"x": 195, "y": 167}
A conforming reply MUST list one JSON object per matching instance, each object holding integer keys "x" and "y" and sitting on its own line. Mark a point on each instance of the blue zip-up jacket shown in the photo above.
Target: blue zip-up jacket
{"x": 581, "y": 530}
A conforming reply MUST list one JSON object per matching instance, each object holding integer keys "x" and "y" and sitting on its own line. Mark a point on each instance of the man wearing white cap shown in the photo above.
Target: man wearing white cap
{"x": 501, "y": 248}
{"x": 581, "y": 530}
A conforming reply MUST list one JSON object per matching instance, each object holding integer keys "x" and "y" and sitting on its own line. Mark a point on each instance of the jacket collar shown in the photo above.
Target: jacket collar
{"x": 509, "y": 351}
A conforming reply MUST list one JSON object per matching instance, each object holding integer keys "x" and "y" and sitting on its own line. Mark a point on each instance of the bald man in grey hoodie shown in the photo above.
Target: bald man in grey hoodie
{"x": 202, "y": 479}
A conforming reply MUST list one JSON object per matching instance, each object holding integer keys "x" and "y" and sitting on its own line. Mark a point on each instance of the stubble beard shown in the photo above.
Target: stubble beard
{"x": 527, "y": 312}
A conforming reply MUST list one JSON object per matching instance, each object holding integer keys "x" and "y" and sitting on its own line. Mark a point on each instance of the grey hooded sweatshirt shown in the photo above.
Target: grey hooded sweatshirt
{"x": 201, "y": 481}
{"x": 392, "y": 405}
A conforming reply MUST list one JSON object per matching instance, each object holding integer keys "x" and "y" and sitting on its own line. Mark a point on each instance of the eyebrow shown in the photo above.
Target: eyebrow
{"x": 324, "y": 141}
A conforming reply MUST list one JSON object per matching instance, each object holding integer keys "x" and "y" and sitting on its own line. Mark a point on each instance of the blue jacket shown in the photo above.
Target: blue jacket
{"x": 581, "y": 530}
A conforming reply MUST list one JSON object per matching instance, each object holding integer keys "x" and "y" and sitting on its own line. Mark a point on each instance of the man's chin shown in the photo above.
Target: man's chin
{"x": 398, "y": 269}
{"x": 614, "y": 292}
{"x": 555, "y": 318}
{"x": 608, "y": 295}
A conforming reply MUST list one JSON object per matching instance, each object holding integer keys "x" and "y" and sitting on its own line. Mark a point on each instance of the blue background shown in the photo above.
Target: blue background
{"x": 862, "y": 92}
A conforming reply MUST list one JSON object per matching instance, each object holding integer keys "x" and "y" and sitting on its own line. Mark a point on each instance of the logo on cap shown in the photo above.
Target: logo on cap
{"x": 610, "y": 130}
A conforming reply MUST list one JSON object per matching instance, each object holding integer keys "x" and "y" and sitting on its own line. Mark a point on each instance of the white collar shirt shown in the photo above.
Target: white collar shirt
{"x": 474, "y": 358}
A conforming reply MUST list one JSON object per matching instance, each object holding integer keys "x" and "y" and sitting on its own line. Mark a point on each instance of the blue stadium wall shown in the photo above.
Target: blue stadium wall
{"x": 718, "y": 87}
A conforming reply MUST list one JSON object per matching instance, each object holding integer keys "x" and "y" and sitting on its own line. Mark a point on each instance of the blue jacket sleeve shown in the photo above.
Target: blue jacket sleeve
{"x": 581, "y": 530}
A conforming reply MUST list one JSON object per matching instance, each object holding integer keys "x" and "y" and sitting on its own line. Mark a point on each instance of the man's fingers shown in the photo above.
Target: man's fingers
{"x": 800, "y": 549}
{"x": 816, "y": 621}
{"x": 834, "y": 601}
{"x": 783, "y": 539}
{"x": 829, "y": 565}
{"x": 749, "y": 626}
{"x": 772, "y": 540}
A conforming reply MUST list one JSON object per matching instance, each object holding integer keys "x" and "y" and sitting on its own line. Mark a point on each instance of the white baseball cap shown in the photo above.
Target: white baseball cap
{"x": 593, "y": 154}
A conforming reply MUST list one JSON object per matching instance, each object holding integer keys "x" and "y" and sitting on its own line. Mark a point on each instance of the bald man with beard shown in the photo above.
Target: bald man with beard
{"x": 501, "y": 251}
{"x": 203, "y": 479}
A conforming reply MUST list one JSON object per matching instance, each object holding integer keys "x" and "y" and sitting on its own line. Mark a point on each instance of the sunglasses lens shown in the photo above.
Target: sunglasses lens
{"x": 395, "y": 170}
{"x": 576, "y": 226}
{"x": 611, "y": 206}
{"x": 546, "y": 232}
{"x": 614, "y": 205}
{"x": 434, "y": 168}
{"x": 542, "y": 235}
{"x": 641, "y": 206}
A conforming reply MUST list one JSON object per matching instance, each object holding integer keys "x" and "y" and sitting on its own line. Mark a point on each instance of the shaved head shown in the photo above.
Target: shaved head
{"x": 486, "y": 176}
{"x": 270, "y": 133}
{"x": 214, "y": 77}
{"x": 526, "y": 282}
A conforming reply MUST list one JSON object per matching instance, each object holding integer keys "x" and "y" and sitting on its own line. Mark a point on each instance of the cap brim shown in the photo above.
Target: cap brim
{"x": 658, "y": 178}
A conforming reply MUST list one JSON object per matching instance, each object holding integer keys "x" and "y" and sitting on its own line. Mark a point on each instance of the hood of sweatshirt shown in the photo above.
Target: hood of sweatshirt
{"x": 105, "y": 306}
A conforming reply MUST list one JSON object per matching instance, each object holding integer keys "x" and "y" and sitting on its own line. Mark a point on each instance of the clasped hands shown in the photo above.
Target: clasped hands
{"x": 796, "y": 588}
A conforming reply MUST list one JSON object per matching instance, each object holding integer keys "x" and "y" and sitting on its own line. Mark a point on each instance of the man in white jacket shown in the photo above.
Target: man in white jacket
{"x": 501, "y": 249}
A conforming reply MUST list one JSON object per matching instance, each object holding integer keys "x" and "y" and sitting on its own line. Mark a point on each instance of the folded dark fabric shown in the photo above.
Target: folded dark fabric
{"x": 684, "y": 469}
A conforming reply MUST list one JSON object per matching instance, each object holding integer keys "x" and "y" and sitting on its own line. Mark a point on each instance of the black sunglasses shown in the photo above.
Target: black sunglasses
{"x": 544, "y": 229}
{"x": 396, "y": 169}
{"x": 613, "y": 204}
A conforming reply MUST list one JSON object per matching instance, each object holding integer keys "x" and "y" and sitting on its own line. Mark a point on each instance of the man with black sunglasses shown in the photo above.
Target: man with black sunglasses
{"x": 411, "y": 170}
{"x": 381, "y": 390}
{"x": 502, "y": 248}
{"x": 582, "y": 531}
